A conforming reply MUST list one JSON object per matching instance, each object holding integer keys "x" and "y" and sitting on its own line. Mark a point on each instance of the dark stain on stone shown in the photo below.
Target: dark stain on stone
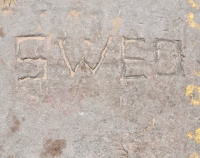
{"x": 1, "y": 33}
{"x": 16, "y": 124}
{"x": 84, "y": 68}
{"x": 53, "y": 148}
{"x": 23, "y": 119}
{"x": 141, "y": 146}
{"x": 18, "y": 141}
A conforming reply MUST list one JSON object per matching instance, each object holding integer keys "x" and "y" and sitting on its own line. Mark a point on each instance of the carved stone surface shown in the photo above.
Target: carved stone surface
{"x": 99, "y": 79}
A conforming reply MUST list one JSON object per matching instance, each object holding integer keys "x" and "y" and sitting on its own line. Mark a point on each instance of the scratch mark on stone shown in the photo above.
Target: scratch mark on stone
{"x": 38, "y": 59}
{"x": 1, "y": 33}
{"x": 102, "y": 56}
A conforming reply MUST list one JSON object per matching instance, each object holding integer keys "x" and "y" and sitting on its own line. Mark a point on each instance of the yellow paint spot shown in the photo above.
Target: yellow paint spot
{"x": 194, "y": 155}
{"x": 193, "y": 4}
{"x": 190, "y": 135}
{"x": 190, "y": 20}
{"x": 197, "y": 73}
{"x": 195, "y": 135}
{"x": 75, "y": 14}
{"x": 189, "y": 92}
{"x": 117, "y": 22}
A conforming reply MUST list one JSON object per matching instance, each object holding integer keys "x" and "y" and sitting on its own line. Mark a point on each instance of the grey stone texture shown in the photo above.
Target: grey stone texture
{"x": 99, "y": 78}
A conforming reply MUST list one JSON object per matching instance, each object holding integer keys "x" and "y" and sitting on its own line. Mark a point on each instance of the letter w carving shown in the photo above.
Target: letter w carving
{"x": 73, "y": 71}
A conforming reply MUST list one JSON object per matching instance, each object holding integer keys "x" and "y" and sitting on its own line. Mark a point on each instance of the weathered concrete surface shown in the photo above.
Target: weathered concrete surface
{"x": 99, "y": 79}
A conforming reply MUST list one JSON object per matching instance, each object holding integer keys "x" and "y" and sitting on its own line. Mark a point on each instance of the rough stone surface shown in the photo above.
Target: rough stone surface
{"x": 99, "y": 78}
